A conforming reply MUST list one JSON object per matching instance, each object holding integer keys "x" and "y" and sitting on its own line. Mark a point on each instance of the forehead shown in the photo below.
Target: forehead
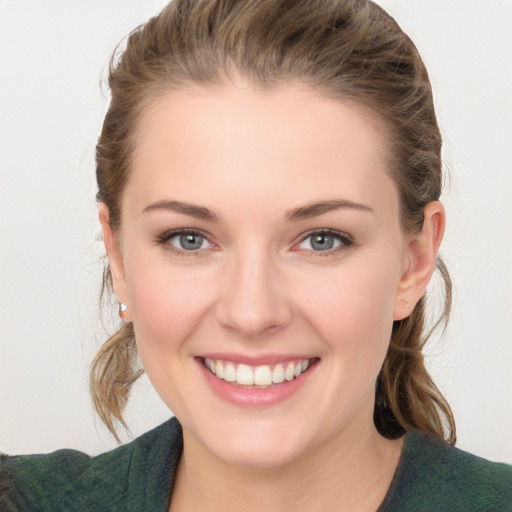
{"x": 289, "y": 144}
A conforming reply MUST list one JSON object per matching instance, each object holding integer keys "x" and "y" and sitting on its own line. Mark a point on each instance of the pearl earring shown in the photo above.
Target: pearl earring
{"x": 122, "y": 310}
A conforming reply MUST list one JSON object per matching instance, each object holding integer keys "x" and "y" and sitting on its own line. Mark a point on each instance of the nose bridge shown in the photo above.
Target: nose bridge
{"x": 252, "y": 301}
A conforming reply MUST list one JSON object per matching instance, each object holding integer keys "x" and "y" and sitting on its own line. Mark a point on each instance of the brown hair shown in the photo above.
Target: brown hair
{"x": 346, "y": 49}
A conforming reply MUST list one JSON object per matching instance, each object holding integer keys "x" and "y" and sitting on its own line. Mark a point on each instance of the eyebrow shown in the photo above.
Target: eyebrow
{"x": 316, "y": 209}
{"x": 199, "y": 212}
{"x": 303, "y": 212}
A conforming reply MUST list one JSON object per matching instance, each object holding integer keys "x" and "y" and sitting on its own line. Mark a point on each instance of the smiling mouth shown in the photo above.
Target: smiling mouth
{"x": 262, "y": 376}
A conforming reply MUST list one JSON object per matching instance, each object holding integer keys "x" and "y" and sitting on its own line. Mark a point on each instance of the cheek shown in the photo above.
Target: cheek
{"x": 167, "y": 306}
{"x": 351, "y": 307}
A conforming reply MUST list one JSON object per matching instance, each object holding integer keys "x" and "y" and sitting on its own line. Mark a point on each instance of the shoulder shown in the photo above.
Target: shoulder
{"x": 70, "y": 480}
{"x": 434, "y": 476}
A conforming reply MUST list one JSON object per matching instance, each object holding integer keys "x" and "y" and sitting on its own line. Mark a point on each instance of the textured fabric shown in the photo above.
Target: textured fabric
{"x": 431, "y": 477}
{"x": 135, "y": 477}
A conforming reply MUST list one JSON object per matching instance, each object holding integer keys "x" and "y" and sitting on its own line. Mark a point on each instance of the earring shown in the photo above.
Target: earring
{"x": 122, "y": 310}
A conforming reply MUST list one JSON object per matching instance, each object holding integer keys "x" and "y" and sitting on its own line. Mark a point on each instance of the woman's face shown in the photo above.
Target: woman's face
{"x": 260, "y": 234}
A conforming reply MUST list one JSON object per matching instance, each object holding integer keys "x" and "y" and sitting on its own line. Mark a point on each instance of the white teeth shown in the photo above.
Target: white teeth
{"x": 262, "y": 375}
{"x": 289, "y": 372}
{"x": 209, "y": 364}
{"x": 230, "y": 372}
{"x": 278, "y": 374}
{"x": 244, "y": 375}
{"x": 219, "y": 369}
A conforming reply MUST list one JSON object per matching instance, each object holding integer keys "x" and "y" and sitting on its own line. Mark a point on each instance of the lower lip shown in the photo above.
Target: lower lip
{"x": 254, "y": 397}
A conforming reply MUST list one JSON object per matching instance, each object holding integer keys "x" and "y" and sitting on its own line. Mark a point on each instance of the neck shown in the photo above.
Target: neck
{"x": 353, "y": 471}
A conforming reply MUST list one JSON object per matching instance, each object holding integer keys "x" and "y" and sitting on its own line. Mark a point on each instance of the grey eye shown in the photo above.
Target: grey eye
{"x": 322, "y": 242}
{"x": 189, "y": 241}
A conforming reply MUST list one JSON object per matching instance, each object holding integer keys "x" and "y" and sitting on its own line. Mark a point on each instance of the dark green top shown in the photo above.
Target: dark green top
{"x": 431, "y": 477}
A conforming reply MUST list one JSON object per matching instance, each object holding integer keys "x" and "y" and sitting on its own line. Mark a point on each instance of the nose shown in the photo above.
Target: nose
{"x": 253, "y": 301}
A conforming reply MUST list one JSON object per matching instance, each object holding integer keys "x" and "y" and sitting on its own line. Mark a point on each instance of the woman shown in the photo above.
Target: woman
{"x": 269, "y": 177}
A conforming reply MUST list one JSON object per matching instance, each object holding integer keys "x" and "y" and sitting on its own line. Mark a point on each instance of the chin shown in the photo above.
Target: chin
{"x": 263, "y": 455}
{"x": 258, "y": 444}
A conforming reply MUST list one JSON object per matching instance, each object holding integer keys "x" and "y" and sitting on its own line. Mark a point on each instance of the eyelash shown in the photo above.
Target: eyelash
{"x": 164, "y": 239}
{"x": 345, "y": 241}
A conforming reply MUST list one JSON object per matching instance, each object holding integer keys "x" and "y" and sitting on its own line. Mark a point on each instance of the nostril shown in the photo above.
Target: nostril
{"x": 252, "y": 320}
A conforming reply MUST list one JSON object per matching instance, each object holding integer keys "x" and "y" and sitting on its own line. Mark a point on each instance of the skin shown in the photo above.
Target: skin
{"x": 258, "y": 288}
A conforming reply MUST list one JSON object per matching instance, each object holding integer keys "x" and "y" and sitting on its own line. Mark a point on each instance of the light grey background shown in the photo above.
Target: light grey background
{"x": 52, "y": 55}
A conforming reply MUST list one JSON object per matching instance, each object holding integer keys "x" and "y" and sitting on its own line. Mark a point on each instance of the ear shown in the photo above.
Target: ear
{"x": 114, "y": 256}
{"x": 420, "y": 260}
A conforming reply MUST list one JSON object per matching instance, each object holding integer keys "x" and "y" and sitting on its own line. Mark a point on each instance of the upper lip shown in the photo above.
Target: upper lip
{"x": 265, "y": 359}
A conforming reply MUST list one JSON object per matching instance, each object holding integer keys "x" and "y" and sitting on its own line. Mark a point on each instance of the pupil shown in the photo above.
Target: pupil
{"x": 191, "y": 242}
{"x": 322, "y": 242}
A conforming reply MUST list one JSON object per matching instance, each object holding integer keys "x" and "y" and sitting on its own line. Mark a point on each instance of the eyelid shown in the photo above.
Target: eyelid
{"x": 166, "y": 236}
{"x": 345, "y": 239}
{"x": 326, "y": 231}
